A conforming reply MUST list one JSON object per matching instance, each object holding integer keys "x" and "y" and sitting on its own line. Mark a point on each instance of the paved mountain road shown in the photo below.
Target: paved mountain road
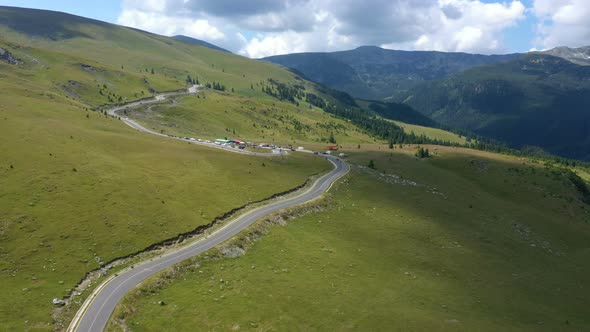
{"x": 163, "y": 96}
{"x": 97, "y": 309}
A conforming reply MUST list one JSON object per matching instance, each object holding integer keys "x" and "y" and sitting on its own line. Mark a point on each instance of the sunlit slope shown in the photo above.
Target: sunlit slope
{"x": 213, "y": 114}
{"x": 78, "y": 188}
{"x": 463, "y": 241}
{"x": 433, "y": 133}
{"x": 120, "y": 51}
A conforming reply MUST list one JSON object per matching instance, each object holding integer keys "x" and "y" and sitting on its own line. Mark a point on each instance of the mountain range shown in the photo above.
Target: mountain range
{"x": 371, "y": 72}
{"x": 537, "y": 99}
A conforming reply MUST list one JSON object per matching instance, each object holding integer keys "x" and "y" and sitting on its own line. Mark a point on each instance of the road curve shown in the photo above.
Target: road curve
{"x": 98, "y": 307}
{"x": 163, "y": 96}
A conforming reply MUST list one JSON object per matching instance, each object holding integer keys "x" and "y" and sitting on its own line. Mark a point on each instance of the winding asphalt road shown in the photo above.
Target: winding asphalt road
{"x": 97, "y": 309}
{"x": 163, "y": 96}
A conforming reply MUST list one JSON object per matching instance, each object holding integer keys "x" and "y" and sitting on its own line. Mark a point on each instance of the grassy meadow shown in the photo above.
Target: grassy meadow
{"x": 62, "y": 48}
{"x": 464, "y": 241}
{"x": 214, "y": 114}
{"x": 78, "y": 188}
{"x": 433, "y": 133}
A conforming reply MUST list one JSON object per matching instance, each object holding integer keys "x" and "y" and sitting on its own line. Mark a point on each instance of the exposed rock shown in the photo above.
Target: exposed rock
{"x": 8, "y": 57}
{"x": 70, "y": 88}
{"x": 90, "y": 68}
{"x": 74, "y": 84}
{"x": 59, "y": 302}
{"x": 232, "y": 251}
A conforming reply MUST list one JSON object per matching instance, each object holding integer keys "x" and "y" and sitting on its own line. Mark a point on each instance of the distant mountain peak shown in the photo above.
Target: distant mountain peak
{"x": 579, "y": 56}
{"x": 369, "y": 47}
{"x": 199, "y": 42}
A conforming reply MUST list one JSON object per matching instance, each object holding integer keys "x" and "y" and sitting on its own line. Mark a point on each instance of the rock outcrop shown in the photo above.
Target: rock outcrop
{"x": 8, "y": 57}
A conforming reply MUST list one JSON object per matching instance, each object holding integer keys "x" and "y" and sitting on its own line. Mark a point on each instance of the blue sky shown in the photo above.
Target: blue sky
{"x": 258, "y": 28}
{"x": 104, "y": 10}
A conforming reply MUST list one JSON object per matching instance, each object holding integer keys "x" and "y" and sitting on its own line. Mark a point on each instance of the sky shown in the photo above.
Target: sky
{"x": 258, "y": 28}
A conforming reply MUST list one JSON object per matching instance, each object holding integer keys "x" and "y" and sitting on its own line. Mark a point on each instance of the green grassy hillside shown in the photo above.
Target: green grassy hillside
{"x": 463, "y": 241}
{"x": 213, "y": 114}
{"x": 433, "y": 133}
{"x": 122, "y": 58}
{"x": 78, "y": 188}
{"x": 104, "y": 64}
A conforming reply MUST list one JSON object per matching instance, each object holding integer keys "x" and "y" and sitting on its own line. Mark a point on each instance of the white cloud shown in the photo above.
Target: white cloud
{"x": 287, "y": 42}
{"x": 562, "y": 23}
{"x": 465, "y": 26}
{"x": 268, "y": 27}
{"x": 168, "y": 25}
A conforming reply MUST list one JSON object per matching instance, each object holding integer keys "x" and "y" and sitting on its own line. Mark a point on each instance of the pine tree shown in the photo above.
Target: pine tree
{"x": 421, "y": 153}
{"x": 332, "y": 139}
{"x": 371, "y": 164}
